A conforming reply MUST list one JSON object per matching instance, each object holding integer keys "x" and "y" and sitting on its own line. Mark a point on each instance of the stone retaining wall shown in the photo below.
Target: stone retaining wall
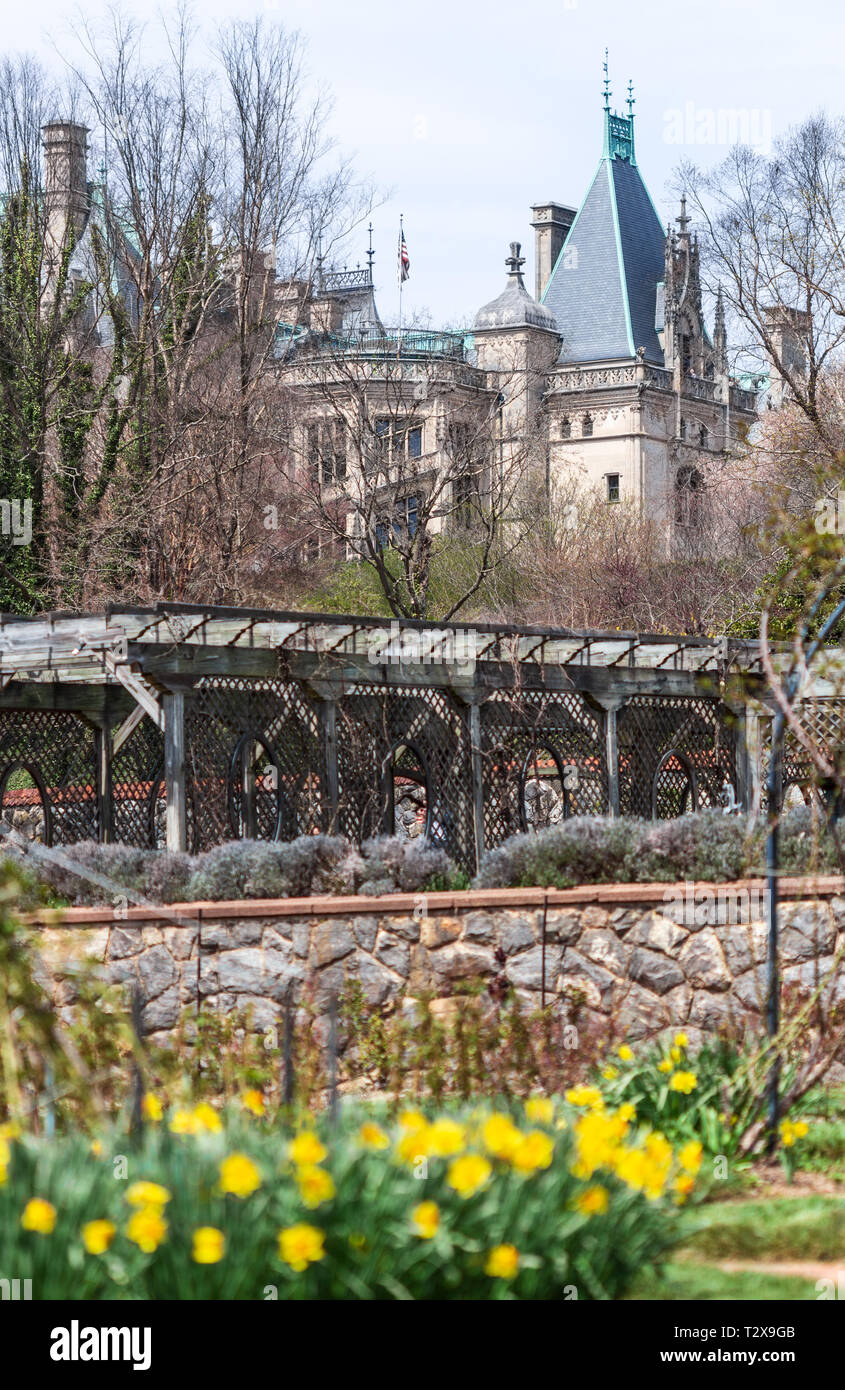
{"x": 654, "y": 956}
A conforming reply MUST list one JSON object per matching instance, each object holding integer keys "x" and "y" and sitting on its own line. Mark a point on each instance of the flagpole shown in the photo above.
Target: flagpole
{"x": 400, "y": 273}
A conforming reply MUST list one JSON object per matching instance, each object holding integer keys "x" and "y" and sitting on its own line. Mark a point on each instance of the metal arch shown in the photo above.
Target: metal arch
{"x": 40, "y": 786}
{"x": 668, "y": 756}
{"x": 387, "y": 778}
{"x": 532, "y": 754}
{"x": 246, "y": 739}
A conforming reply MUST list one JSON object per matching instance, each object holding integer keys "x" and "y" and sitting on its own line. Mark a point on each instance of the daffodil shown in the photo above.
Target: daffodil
{"x": 681, "y": 1040}
{"x": 683, "y": 1081}
{"x": 468, "y": 1174}
{"x": 306, "y": 1148}
{"x": 147, "y": 1229}
{"x": 315, "y": 1184}
{"x": 372, "y": 1136}
{"x": 625, "y": 1053}
{"x": 209, "y": 1245}
{"x": 502, "y": 1262}
{"x": 426, "y": 1219}
{"x": 665, "y": 1065}
{"x": 253, "y": 1101}
{"x": 301, "y": 1245}
{"x": 500, "y": 1135}
{"x": 533, "y": 1151}
{"x": 97, "y": 1236}
{"x": 39, "y": 1216}
{"x": 239, "y": 1175}
{"x": 147, "y": 1194}
{"x": 207, "y": 1118}
{"x": 689, "y": 1157}
{"x": 585, "y": 1096}
{"x": 415, "y": 1144}
{"x": 539, "y": 1110}
{"x": 592, "y": 1201}
{"x": 151, "y": 1108}
{"x": 184, "y": 1122}
{"x": 446, "y": 1137}
{"x": 683, "y": 1184}
{"x": 412, "y": 1119}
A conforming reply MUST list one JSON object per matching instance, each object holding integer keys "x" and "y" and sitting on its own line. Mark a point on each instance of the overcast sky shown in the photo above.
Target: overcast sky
{"x": 464, "y": 113}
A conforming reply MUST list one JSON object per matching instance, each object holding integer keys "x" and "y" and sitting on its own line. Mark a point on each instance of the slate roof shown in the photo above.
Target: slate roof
{"x": 603, "y": 288}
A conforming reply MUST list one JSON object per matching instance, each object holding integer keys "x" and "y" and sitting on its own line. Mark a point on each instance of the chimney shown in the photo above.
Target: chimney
{"x": 65, "y": 178}
{"x": 789, "y": 330}
{"x": 551, "y": 224}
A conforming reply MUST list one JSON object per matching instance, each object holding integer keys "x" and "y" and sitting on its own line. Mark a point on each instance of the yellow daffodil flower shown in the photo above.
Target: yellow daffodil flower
{"x": 209, "y": 1245}
{"x": 239, "y": 1175}
{"x": 301, "y": 1245}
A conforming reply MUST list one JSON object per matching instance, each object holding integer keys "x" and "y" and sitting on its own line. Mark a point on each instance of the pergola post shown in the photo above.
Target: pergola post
{"x": 173, "y": 703}
{"x": 105, "y": 805}
{"x": 328, "y": 719}
{"x": 477, "y": 771}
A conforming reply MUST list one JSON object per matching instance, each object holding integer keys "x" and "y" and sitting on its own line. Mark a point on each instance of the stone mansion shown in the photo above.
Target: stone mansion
{"x": 609, "y": 368}
{"x": 607, "y": 376}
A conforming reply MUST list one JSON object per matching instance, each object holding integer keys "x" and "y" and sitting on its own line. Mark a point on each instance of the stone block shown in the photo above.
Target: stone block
{"x": 654, "y": 971}
{"x": 703, "y": 961}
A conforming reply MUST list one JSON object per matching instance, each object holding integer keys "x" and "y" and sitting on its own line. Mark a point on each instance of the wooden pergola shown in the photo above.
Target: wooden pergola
{"x": 186, "y": 725}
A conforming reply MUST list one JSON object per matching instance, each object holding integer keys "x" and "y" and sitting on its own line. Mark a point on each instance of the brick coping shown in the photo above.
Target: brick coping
{"x": 601, "y": 894}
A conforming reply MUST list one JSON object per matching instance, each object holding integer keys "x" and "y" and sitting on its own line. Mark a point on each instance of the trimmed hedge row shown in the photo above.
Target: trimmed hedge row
{"x": 587, "y": 849}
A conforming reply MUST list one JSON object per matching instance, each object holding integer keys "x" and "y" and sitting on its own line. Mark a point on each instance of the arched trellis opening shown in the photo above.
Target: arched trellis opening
{"x": 544, "y": 794}
{"x": 257, "y": 804}
{"x": 406, "y": 793}
{"x": 674, "y": 789}
{"x": 18, "y": 780}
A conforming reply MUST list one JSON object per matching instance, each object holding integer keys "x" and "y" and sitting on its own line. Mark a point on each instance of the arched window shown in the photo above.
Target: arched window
{"x": 587, "y": 426}
{"x": 566, "y": 428}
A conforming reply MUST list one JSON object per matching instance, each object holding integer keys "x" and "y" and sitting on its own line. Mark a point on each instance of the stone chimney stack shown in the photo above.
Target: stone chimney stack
{"x": 551, "y": 224}
{"x": 65, "y": 178}
{"x": 790, "y": 331}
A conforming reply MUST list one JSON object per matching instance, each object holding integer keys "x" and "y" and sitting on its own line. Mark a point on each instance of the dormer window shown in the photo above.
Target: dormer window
{"x": 587, "y": 426}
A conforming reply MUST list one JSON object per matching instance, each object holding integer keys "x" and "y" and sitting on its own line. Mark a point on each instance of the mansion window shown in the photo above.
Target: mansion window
{"x": 703, "y": 436}
{"x": 326, "y": 451}
{"x": 614, "y": 490}
{"x": 397, "y": 440}
{"x": 465, "y": 500}
{"x": 404, "y": 522}
{"x": 683, "y": 428}
{"x": 587, "y": 426}
{"x": 565, "y": 428}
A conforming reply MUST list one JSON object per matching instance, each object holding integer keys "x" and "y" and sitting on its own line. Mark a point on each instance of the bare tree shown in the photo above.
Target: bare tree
{"x": 407, "y": 467}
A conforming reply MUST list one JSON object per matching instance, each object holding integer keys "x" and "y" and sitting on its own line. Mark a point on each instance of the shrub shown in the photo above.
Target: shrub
{"x": 708, "y": 845}
{"x": 473, "y": 1205}
{"x": 256, "y": 869}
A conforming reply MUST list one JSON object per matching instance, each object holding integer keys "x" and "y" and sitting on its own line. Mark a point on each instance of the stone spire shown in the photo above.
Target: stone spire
{"x": 720, "y": 337}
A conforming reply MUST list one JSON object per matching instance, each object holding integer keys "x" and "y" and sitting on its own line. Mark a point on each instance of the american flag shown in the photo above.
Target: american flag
{"x": 404, "y": 265}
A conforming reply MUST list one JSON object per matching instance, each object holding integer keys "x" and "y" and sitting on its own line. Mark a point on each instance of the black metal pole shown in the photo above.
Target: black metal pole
{"x": 772, "y": 952}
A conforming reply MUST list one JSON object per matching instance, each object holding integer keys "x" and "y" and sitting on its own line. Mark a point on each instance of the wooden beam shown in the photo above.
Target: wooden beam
{"x": 138, "y": 688}
{"x": 128, "y": 727}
